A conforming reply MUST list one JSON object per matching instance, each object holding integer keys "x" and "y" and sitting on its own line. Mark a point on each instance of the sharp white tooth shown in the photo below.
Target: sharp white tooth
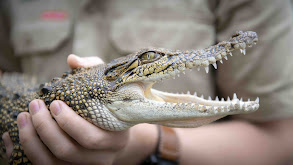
{"x": 241, "y": 51}
{"x": 215, "y": 65}
{"x": 195, "y": 94}
{"x": 234, "y": 96}
{"x": 221, "y": 61}
{"x": 202, "y": 97}
{"x": 230, "y": 54}
{"x": 257, "y": 100}
{"x": 238, "y": 102}
{"x": 207, "y": 69}
{"x": 188, "y": 92}
{"x": 244, "y": 51}
{"x": 226, "y": 58}
{"x": 248, "y": 100}
{"x": 210, "y": 98}
{"x": 228, "y": 99}
{"x": 198, "y": 68}
{"x": 217, "y": 98}
{"x": 241, "y": 100}
{"x": 222, "y": 99}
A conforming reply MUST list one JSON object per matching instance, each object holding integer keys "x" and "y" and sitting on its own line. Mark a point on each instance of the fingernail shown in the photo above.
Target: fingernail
{"x": 22, "y": 121}
{"x": 79, "y": 59}
{"x": 55, "y": 108}
{"x": 34, "y": 107}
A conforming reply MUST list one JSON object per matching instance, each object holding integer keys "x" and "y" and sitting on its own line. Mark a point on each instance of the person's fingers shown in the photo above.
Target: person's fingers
{"x": 54, "y": 138}
{"x": 33, "y": 147}
{"x": 8, "y": 144}
{"x": 85, "y": 133}
{"x": 58, "y": 142}
{"x": 78, "y": 62}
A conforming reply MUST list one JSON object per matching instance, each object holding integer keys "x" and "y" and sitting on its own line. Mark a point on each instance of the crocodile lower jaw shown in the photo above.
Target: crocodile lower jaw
{"x": 177, "y": 110}
{"x": 201, "y": 104}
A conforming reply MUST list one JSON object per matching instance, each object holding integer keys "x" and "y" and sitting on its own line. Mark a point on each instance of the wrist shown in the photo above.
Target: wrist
{"x": 142, "y": 142}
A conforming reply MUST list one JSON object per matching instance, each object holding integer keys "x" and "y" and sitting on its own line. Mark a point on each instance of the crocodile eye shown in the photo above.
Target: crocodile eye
{"x": 149, "y": 56}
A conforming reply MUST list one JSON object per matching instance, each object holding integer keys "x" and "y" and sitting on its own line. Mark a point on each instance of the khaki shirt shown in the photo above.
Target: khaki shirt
{"x": 110, "y": 29}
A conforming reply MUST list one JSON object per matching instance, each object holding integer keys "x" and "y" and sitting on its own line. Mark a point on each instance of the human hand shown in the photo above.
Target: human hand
{"x": 73, "y": 139}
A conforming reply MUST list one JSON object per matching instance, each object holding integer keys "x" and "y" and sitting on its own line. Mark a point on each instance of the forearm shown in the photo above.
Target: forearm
{"x": 143, "y": 138}
{"x": 237, "y": 142}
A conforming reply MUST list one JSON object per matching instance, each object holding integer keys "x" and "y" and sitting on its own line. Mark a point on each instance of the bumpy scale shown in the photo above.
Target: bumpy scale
{"x": 118, "y": 95}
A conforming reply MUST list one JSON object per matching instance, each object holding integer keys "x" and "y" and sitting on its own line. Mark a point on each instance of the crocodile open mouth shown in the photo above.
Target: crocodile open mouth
{"x": 203, "y": 105}
{"x": 199, "y": 102}
{"x": 182, "y": 110}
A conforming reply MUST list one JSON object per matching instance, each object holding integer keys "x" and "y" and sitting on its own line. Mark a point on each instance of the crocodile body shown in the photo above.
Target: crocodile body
{"x": 118, "y": 95}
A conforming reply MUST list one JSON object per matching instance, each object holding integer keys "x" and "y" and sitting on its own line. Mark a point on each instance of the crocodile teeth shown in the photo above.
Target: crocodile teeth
{"x": 257, "y": 100}
{"x": 210, "y": 98}
{"x": 217, "y": 98}
{"x": 195, "y": 94}
{"x": 215, "y": 65}
{"x": 230, "y": 54}
{"x": 198, "y": 68}
{"x": 243, "y": 51}
{"x": 228, "y": 99}
{"x": 207, "y": 69}
{"x": 221, "y": 61}
{"x": 226, "y": 58}
{"x": 234, "y": 96}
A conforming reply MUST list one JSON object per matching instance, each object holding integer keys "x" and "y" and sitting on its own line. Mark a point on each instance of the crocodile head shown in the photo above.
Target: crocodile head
{"x": 132, "y": 99}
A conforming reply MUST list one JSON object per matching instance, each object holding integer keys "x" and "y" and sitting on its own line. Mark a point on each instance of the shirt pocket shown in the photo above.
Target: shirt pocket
{"x": 40, "y": 26}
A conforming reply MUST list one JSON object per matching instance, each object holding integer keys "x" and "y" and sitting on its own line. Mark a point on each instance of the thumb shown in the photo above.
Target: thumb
{"x": 78, "y": 62}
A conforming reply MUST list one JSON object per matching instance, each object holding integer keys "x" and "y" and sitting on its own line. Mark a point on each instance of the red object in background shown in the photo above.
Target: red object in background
{"x": 54, "y": 15}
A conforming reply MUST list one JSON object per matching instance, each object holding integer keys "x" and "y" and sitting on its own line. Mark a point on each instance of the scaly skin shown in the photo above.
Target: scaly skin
{"x": 117, "y": 96}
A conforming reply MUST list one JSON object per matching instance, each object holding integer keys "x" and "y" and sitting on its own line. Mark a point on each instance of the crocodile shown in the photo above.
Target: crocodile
{"x": 119, "y": 95}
